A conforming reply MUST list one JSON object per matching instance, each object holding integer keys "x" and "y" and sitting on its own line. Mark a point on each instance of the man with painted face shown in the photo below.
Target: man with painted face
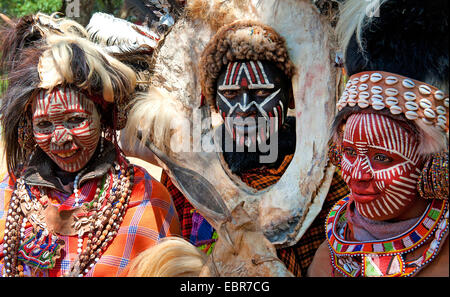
{"x": 245, "y": 75}
{"x": 253, "y": 98}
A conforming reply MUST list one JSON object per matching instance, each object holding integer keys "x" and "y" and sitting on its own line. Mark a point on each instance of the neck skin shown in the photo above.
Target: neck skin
{"x": 415, "y": 210}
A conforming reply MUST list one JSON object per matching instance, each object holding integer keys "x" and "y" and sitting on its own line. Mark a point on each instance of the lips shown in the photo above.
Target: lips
{"x": 67, "y": 156}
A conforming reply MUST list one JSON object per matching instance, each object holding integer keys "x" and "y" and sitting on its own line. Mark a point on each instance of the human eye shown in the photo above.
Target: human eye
{"x": 229, "y": 94}
{"x": 382, "y": 158}
{"x": 262, "y": 92}
{"x": 350, "y": 152}
{"x": 43, "y": 124}
{"x": 76, "y": 119}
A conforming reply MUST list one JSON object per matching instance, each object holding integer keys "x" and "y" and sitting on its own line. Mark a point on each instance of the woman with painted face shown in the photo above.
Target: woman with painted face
{"x": 72, "y": 204}
{"x": 391, "y": 134}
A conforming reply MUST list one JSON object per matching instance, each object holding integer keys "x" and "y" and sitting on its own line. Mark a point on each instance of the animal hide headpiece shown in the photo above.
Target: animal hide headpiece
{"x": 241, "y": 40}
{"x": 43, "y": 52}
{"x": 171, "y": 117}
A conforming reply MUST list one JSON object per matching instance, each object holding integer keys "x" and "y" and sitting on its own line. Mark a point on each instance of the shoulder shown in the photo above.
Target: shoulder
{"x": 146, "y": 187}
{"x": 321, "y": 264}
{"x": 151, "y": 205}
{"x": 439, "y": 266}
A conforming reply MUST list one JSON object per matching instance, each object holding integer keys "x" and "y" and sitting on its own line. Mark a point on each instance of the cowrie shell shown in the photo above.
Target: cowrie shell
{"x": 446, "y": 102}
{"x": 441, "y": 119}
{"x": 355, "y": 81}
{"x": 377, "y": 97}
{"x": 364, "y": 78}
{"x": 348, "y": 84}
{"x": 378, "y": 105}
{"x": 376, "y": 90}
{"x": 441, "y": 110}
{"x": 410, "y": 105}
{"x": 375, "y": 77}
{"x": 363, "y": 87}
{"x": 409, "y": 96}
{"x": 391, "y": 80}
{"x": 352, "y": 94}
{"x": 352, "y": 88}
{"x": 363, "y": 103}
{"x": 429, "y": 113}
{"x": 425, "y": 103}
{"x": 424, "y": 90}
{"x": 411, "y": 115}
{"x": 396, "y": 109}
{"x": 426, "y": 121}
{"x": 442, "y": 126}
{"x": 390, "y": 101}
{"x": 351, "y": 102}
{"x": 409, "y": 84}
{"x": 391, "y": 92}
{"x": 364, "y": 95}
{"x": 439, "y": 95}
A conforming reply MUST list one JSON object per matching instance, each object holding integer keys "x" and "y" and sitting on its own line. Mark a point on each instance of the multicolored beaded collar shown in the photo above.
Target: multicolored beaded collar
{"x": 385, "y": 257}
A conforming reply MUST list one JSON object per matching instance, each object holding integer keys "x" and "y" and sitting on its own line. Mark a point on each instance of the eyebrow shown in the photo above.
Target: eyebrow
{"x": 250, "y": 86}
{"x": 76, "y": 111}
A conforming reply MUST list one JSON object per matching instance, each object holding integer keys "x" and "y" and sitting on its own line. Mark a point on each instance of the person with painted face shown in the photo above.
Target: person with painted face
{"x": 391, "y": 136}
{"x": 72, "y": 204}
{"x": 245, "y": 76}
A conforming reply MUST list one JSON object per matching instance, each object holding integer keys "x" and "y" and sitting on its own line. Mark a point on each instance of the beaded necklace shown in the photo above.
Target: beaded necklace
{"x": 100, "y": 219}
{"x": 386, "y": 257}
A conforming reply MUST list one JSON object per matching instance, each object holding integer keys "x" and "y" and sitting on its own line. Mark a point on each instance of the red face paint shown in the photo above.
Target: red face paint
{"x": 66, "y": 127}
{"x": 380, "y": 165}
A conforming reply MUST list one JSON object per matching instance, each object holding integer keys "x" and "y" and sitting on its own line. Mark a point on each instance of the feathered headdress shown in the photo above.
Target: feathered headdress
{"x": 43, "y": 52}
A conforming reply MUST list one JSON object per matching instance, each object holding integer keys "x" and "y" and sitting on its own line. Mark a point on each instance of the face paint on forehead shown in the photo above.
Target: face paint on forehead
{"x": 369, "y": 130}
{"x": 381, "y": 189}
{"x": 250, "y": 74}
{"x": 66, "y": 99}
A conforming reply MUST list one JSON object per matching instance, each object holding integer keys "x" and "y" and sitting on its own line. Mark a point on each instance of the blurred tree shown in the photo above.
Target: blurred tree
{"x": 18, "y": 8}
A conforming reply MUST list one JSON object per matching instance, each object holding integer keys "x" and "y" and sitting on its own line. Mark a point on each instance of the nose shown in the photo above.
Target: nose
{"x": 61, "y": 135}
{"x": 362, "y": 170}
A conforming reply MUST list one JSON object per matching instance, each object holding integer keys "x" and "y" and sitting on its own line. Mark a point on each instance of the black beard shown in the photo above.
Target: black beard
{"x": 240, "y": 162}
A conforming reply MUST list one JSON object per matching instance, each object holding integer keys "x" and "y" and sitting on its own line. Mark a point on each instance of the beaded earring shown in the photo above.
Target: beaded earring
{"x": 433, "y": 180}
{"x": 25, "y": 134}
{"x": 335, "y": 154}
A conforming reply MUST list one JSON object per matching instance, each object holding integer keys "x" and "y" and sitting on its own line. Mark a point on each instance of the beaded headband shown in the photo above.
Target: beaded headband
{"x": 415, "y": 99}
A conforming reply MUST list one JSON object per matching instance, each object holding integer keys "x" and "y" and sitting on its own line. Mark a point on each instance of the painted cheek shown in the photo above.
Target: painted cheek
{"x": 394, "y": 182}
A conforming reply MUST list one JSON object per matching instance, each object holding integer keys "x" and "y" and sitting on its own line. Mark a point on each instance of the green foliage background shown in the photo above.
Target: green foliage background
{"x": 18, "y": 8}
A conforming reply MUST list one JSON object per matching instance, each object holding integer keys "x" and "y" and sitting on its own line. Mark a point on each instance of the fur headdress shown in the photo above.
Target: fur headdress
{"x": 241, "y": 40}
{"x": 43, "y": 55}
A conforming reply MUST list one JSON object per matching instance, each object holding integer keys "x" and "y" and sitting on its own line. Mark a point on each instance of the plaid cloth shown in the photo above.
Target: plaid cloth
{"x": 150, "y": 216}
{"x": 261, "y": 178}
{"x": 297, "y": 258}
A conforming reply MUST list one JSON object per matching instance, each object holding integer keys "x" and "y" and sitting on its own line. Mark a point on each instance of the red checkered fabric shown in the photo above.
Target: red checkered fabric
{"x": 150, "y": 216}
{"x": 296, "y": 258}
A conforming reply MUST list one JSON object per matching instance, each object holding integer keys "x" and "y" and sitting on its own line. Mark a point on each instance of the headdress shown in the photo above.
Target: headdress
{"x": 397, "y": 67}
{"x": 241, "y": 40}
{"x": 43, "y": 52}
{"x": 286, "y": 209}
